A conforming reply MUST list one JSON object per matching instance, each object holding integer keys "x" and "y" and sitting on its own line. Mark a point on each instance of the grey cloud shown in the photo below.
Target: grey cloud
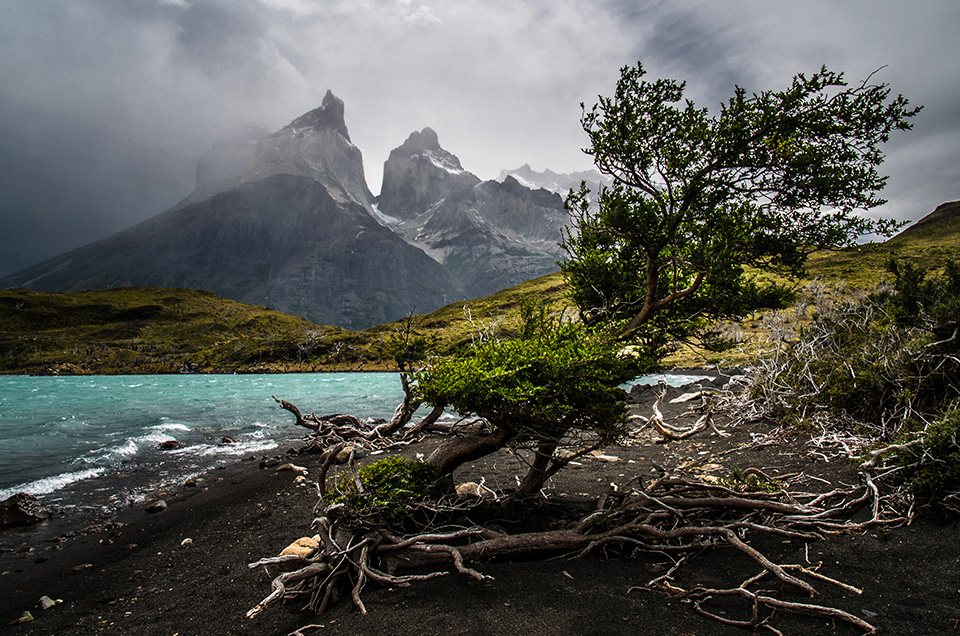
{"x": 105, "y": 104}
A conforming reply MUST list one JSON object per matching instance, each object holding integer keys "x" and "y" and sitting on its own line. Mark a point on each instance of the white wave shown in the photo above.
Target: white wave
{"x": 125, "y": 451}
{"x": 128, "y": 449}
{"x": 53, "y": 483}
{"x": 672, "y": 379}
{"x": 241, "y": 448}
{"x": 172, "y": 426}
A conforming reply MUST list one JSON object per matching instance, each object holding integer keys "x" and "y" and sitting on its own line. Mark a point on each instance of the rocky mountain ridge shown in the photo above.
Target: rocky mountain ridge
{"x": 287, "y": 220}
{"x": 489, "y": 235}
{"x": 556, "y": 182}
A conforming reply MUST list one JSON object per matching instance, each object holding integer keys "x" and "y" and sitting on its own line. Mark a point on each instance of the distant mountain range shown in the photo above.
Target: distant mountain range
{"x": 556, "y": 182}
{"x": 286, "y": 220}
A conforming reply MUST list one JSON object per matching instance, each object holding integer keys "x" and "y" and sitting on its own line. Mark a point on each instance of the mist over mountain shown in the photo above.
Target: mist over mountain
{"x": 287, "y": 220}
{"x": 52, "y": 162}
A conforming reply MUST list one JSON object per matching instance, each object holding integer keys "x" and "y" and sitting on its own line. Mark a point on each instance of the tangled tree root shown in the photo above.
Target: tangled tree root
{"x": 671, "y": 515}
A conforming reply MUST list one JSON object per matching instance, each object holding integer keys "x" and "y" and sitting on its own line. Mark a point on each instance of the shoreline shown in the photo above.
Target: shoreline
{"x": 144, "y": 578}
{"x": 106, "y": 560}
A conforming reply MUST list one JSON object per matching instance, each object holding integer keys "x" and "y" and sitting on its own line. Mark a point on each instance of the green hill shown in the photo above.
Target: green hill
{"x": 928, "y": 242}
{"x": 158, "y": 330}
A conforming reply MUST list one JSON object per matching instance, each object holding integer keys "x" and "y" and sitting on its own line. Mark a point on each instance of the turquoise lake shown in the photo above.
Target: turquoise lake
{"x": 92, "y": 442}
{"x": 59, "y": 435}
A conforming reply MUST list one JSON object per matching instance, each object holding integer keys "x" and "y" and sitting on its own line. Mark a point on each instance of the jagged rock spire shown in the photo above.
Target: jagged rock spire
{"x": 425, "y": 139}
{"x": 329, "y": 115}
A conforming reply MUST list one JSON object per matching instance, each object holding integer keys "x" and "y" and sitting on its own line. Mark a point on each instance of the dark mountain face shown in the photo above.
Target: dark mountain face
{"x": 419, "y": 174}
{"x": 281, "y": 241}
{"x": 286, "y": 220}
{"x": 489, "y": 235}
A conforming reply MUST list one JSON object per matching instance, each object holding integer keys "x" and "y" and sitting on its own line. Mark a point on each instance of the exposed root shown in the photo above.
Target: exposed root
{"x": 670, "y": 516}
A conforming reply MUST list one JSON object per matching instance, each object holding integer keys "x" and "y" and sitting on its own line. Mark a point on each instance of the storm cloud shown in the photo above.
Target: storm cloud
{"x": 106, "y": 104}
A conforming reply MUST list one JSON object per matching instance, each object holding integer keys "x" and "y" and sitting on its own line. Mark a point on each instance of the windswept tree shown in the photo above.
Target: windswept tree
{"x": 701, "y": 203}
{"x": 553, "y": 388}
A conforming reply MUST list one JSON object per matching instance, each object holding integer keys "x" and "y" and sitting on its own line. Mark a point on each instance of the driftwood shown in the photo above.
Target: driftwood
{"x": 673, "y": 515}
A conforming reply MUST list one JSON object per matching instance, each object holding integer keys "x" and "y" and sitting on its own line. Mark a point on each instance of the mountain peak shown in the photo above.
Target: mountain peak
{"x": 426, "y": 139}
{"x": 424, "y": 147}
{"x": 329, "y": 115}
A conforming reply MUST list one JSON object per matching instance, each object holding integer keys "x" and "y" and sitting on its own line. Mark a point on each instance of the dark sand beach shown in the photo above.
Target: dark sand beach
{"x": 140, "y": 576}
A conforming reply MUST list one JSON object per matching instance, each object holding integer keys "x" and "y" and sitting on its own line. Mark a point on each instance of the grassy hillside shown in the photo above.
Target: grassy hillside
{"x": 929, "y": 242}
{"x": 452, "y": 325}
{"x": 151, "y": 330}
{"x": 154, "y": 330}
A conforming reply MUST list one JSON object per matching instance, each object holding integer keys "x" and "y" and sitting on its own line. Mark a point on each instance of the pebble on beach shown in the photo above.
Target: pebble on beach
{"x": 46, "y": 602}
{"x": 157, "y": 506}
{"x": 26, "y": 617}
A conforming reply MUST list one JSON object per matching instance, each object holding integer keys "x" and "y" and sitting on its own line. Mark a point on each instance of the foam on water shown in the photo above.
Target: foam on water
{"x": 53, "y": 483}
{"x": 672, "y": 379}
{"x": 172, "y": 426}
{"x": 240, "y": 449}
{"x": 79, "y": 437}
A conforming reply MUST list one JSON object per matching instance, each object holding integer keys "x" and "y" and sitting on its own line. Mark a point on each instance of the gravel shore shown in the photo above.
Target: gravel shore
{"x": 183, "y": 571}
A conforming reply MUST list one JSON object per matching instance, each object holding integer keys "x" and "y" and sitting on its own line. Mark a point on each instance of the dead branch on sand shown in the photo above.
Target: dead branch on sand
{"x": 673, "y": 515}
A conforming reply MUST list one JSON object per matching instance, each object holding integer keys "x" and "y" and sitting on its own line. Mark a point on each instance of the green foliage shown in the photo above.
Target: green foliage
{"x": 748, "y": 481}
{"x": 701, "y": 202}
{"x": 933, "y": 466}
{"x": 392, "y": 489}
{"x": 553, "y": 377}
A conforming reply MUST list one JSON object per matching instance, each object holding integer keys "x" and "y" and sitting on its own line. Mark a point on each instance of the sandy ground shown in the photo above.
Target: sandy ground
{"x": 140, "y": 578}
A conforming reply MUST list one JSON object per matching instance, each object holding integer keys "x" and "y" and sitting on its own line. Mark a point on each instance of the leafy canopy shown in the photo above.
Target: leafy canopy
{"x": 551, "y": 378}
{"x": 699, "y": 201}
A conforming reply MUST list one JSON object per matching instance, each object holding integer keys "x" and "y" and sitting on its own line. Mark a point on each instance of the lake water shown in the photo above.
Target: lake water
{"x": 92, "y": 442}
{"x": 69, "y": 439}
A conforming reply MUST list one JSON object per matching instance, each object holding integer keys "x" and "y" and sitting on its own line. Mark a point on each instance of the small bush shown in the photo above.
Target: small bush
{"x": 877, "y": 360}
{"x": 747, "y": 481}
{"x": 392, "y": 489}
{"x": 933, "y": 465}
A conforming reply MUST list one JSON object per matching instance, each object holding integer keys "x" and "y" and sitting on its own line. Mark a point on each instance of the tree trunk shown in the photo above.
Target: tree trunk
{"x": 539, "y": 470}
{"x": 404, "y": 412}
{"x": 460, "y": 450}
{"x": 428, "y": 421}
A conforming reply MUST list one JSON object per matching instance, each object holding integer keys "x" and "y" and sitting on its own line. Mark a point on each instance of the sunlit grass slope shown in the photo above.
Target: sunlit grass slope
{"x": 152, "y": 330}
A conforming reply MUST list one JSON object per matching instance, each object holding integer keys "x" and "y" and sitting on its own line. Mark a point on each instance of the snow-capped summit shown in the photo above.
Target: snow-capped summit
{"x": 556, "y": 182}
{"x": 489, "y": 235}
{"x": 419, "y": 173}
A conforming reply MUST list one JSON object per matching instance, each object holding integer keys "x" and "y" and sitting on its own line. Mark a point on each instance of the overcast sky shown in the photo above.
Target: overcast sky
{"x": 106, "y": 104}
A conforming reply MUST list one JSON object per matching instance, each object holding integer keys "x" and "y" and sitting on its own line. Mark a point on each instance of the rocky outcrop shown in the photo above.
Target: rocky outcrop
{"x": 488, "y": 235}
{"x": 419, "y": 174}
{"x": 22, "y": 509}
